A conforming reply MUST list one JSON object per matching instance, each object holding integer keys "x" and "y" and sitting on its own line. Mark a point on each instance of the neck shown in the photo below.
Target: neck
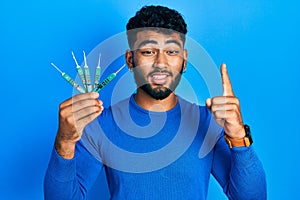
{"x": 149, "y": 103}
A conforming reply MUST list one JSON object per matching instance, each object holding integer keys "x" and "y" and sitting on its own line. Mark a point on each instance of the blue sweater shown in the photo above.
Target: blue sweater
{"x": 155, "y": 155}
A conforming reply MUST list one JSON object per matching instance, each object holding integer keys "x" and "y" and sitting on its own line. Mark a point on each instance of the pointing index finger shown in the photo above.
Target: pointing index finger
{"x": 227, "y": 88}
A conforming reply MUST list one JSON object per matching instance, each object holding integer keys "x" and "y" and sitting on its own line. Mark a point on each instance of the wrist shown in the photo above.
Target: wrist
{"x": 240, "y": 135}
{"x": 65, "y": 149}
{"x": 245, "y": 141}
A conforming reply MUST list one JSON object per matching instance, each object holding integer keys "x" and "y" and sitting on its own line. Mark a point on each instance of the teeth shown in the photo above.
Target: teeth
{"x": 159, "y": 76}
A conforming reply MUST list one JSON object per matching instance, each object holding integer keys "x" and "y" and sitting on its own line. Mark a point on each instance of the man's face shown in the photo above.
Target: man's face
{"x": 158, "y": 60}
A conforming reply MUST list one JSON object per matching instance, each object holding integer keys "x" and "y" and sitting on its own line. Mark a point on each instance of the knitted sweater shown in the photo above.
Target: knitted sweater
{"x": 156, "y": 155}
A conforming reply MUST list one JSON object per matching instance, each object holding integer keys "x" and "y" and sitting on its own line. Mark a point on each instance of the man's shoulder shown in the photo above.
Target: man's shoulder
{"x": 191, "y": 106}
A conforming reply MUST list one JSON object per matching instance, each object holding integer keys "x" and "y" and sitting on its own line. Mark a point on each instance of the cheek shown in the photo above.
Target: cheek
{"x": 177, "y": 66}
{"x": 142, "y": 61}
{"x": 146, "y": 65}
{"x": 141, "y": 68}
{"x": 175, "y": 62}
{"x": 141, "y": 72}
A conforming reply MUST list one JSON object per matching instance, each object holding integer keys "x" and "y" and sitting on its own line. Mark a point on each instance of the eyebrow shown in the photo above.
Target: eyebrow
{"x": 145, "y": 42}
{"x": 173, "y": 41}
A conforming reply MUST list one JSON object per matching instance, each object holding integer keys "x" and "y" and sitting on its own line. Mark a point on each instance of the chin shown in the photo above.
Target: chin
{"x": 158, "y": 93}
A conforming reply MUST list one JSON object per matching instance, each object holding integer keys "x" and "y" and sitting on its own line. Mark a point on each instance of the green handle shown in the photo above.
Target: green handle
{"x": 81, "y": 75}
{"x": 97, "y": 76}
{"x": 87, "y": 78}
{"x": 73, "y": 83}
{"x": 105, "y": 82}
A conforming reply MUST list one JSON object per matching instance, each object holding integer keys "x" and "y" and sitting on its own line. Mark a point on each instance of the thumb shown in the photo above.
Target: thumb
{"x": 208, "y": 103}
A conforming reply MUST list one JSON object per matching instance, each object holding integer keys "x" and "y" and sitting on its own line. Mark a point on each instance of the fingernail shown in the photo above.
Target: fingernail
{"x": 95, "y": 94}
{"x": 208, "y": 102}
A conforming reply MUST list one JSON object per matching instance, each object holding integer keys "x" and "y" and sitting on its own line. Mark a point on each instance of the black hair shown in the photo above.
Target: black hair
{"x": 159, "y": 18}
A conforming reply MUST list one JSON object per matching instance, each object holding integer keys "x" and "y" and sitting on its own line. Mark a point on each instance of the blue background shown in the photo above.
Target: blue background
{"x": 259, "y": 41}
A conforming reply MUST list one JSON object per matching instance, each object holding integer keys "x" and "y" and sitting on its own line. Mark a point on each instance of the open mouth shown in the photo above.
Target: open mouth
{"x": 159, "y": 78}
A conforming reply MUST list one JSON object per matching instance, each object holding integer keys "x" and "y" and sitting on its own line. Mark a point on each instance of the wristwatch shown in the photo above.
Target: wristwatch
{"x": 243, "y": 142}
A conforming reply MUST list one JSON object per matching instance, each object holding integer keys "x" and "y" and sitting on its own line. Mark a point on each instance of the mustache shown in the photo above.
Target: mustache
{"x": 158, "y": 70}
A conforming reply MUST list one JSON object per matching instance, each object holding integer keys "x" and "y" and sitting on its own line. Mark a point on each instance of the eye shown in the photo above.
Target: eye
{"x": 172, "y": 52}
{"x": 147, "y": 52}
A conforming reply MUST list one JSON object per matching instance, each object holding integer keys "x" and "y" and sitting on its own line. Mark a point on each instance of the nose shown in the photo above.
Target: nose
{"x": 161, "y": 60}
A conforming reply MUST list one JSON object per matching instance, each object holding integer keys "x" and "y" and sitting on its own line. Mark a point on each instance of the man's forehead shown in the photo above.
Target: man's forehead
{"x": 158, "y": 37}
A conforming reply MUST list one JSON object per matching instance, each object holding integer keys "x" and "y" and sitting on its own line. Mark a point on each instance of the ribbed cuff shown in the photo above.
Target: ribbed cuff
{"x": 62, "y": 169}
{"x": 245, "y": 156}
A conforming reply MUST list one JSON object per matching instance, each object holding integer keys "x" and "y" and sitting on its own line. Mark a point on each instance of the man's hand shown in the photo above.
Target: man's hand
{"x": 226, "y": 109}
{"x": 74, "y": 114}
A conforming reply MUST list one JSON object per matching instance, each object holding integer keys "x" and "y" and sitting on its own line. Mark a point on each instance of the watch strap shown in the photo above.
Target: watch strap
{"x": 233, "y": 142}
{"x": 243, "y": 142}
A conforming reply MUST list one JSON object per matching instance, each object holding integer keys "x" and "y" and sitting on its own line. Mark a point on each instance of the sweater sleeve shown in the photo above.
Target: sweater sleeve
{"x": 71, "y": 179}
{"x": 239, "y": 172}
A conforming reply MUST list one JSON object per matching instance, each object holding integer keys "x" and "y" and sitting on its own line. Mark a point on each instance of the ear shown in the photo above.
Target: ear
{"x": 129, "y": 59}
{"x": 185, "y": 55}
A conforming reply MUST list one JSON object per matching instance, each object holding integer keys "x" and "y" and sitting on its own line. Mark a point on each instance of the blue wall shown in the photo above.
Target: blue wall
{"x": 259, "y": 41}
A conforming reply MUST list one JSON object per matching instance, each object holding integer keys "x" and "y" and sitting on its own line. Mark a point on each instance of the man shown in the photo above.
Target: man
{"x": 161, "y": 133}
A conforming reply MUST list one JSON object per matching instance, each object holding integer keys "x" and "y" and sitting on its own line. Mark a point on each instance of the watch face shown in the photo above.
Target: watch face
{"x": 248, "y": 133}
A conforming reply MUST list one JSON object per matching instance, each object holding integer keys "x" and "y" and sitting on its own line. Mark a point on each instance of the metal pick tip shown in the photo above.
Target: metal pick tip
{"x": 56, "y": 67}
{"x": 120, "y": 68}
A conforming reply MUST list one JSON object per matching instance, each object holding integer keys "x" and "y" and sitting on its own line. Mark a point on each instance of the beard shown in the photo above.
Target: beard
{"x": 159, "y": 92}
